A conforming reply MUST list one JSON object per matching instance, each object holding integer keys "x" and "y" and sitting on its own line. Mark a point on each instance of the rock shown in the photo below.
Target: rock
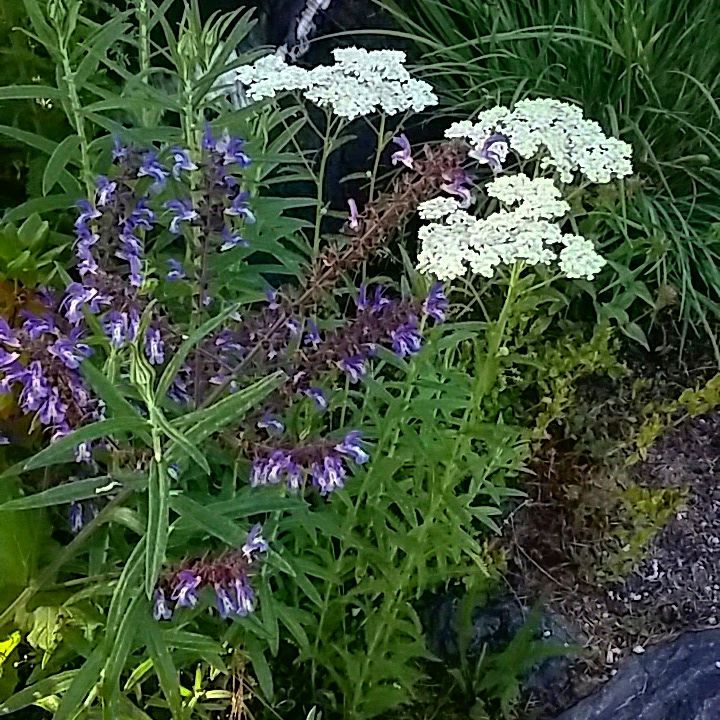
{"x": 679, "y": 680}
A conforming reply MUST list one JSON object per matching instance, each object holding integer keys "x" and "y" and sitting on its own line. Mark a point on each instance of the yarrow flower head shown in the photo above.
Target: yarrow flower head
{"x": 554, "y": 131}
{"x": 360, "y": 82}
{"x": 524, "y": 229}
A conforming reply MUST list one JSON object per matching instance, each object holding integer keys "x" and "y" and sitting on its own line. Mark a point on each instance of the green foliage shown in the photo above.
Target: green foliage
{"x": 648, "y": 71}
{"x": 410, "y": 524}
{"x": 641, "y": 514}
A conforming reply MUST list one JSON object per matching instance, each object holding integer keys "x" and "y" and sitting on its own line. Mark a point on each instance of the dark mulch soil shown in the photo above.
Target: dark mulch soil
{"x": 675, "y": 587}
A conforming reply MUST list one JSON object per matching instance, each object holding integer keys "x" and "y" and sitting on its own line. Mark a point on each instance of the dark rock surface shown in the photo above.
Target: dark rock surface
{"x": 679, "y": 680}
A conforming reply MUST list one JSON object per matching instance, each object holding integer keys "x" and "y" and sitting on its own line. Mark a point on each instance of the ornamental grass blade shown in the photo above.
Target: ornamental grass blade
{"x": 84, "y": 681}
{"x": 33, "y": 693}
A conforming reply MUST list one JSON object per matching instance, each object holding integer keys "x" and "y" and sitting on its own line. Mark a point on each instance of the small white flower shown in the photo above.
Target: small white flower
{"x": 438, "y": 208}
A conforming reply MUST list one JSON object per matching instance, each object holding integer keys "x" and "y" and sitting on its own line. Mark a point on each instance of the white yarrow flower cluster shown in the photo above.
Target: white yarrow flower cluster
{"x": 557, "y": 133}
{"x": 360, "y": 82}
{"x": 522, "y": 230}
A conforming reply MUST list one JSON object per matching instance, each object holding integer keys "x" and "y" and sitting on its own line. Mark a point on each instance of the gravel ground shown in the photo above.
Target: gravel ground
{"x": 675, "y": 587}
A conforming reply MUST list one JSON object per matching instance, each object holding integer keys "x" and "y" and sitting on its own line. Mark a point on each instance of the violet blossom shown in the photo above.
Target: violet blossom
{"x": 404, "y": 154}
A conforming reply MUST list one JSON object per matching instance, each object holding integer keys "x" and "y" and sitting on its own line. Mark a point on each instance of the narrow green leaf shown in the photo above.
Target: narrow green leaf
{"x": 120, "y": 644}
{"x": 191, "y": 450}
{"x": 205, "y": 518}
{"x": 97, "y": 46}
{"x": 39, "y": 24}
{"x": 129, "y": 585}
{"x": 260, "y": 665}
{"x": 200, "y": 424}
{"x": 157, "y": 524}
{"x": 26, "y": 92}
{"x": 112, "y": 397}
{"x": 83, "y": 682}
{"x": 164, "y": 667}
{"x": 68, "y": 492}
{"x": 61, "y": 156}
{"x": 172, "y": 368}
{"x": 37, "y": 691}
{"x": 40, "y": 205}
{"x": 63, "y": 450}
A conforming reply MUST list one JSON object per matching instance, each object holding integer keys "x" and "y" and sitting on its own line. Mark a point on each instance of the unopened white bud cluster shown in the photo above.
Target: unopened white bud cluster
{"x": 360, "y": 82}
{"x": 557, "y": 133}
{"x": 523, "y": 229}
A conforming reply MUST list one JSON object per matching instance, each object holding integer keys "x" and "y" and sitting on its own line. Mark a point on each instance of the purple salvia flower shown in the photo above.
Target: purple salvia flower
{"x": 183, "y": 211}
{"x": 232, "y": 150}
{"x": 312, "y": 334}
{"x": 318, "y": 397}
{"x": 35, "y": 387}
{"x": 185, "y": 591}
{"x": 142, "y": 217}
{"x": 351, "y": 447}
{"x": 354, "y": 217}
{"x": 7, "y": 334}
{"x": 244, "y": 597}
{"x": 208, "y": 141}
{"x": 328, "y": 475}
{"x": 150, "y": 167}
{"x": 161, "y": 609}
{"x": 37, "y": 325}
{"x": 456, "y": 184}
{"x": 406, "y": 339}
{"x": 77, "y": 297}
{"x": 75, "y": 515}
{"x": 53, "y": 410}
{"x": 436, "y": 304}
{"x": 224, "y": 601}
{"x": 255, "y": 543}
{"x": 83, "y": 452}
{"x": 154, "y": 347}
{"x": 115, "y": 325}
{"x": 353, "y": 367}
{"x": 87, "y": 213}
{"x": 181, "y": 162}
{"x": 231, "y": 239}
{"x": 271, "y": 424}
{"x": 404, "y": 154}
{"x": 70, "y": 351}
{"x": 493, "y": 152}
{"x": 119, "y": 151}
{"x": 374, "y": 303}
{"x": 176, "y": 272}
{"x": 105, "y": 191}
{"x": 239, "y": 208}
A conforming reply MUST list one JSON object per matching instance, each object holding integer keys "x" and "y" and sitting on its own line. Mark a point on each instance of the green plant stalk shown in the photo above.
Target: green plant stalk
{"x": 378, "y": 152}
{"x": 496, "y": 334}
{"x": 143, "y": 20}
{"x": 331, "y": 133}
{"x": 77, "y": 119}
